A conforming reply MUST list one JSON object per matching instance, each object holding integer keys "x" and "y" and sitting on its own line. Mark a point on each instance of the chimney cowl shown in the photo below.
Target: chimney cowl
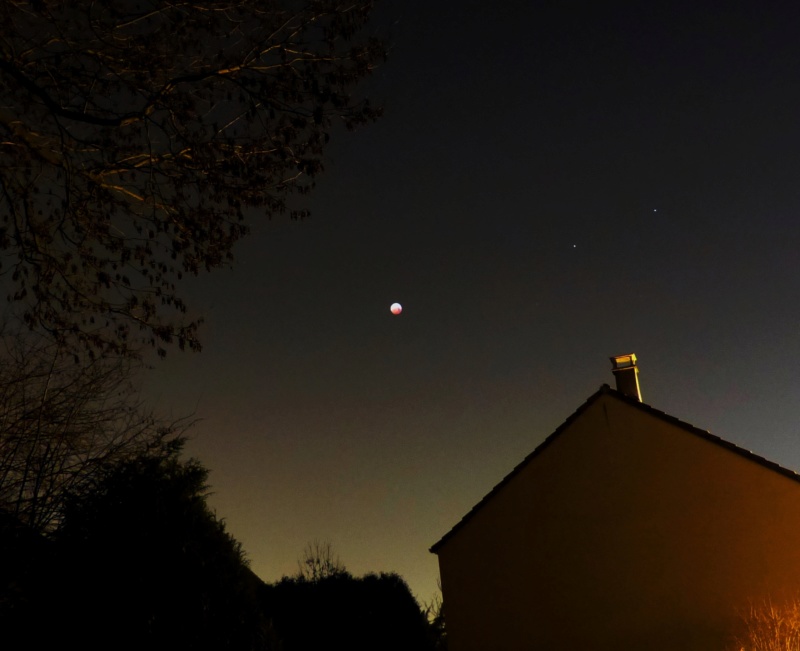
{"x": 626, "y": 373}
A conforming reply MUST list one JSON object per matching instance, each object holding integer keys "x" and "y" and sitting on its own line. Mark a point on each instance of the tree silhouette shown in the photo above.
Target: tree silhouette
{"x": 338, "y": 610}
{"x": 319, "y": 561}
{"x": 141, "y": 562}
{"x": 63, "y": 424}
{"x": 136, "y": 135}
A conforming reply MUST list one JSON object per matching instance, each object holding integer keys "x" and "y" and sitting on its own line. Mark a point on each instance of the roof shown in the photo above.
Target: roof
{"x": 607, "y": 390}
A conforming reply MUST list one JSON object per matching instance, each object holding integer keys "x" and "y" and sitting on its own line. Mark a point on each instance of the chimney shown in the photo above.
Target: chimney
{"x": 627, "y": 375}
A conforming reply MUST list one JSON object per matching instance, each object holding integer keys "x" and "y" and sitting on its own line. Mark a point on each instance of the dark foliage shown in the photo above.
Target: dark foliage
{"x": 435, "y": 615}
{"x": 339, "y": 611}
{"x": 62, "y": 424}
{"x": 142, "y": 563}
{"x": 22, "y": 550}
{"x": 136, "y": 134}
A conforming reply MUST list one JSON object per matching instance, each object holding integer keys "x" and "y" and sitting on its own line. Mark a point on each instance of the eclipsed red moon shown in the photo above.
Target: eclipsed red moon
{"x": 396, "y": 308}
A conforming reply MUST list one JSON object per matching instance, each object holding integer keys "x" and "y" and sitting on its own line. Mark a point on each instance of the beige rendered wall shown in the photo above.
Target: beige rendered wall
{"x": 626, "y": 532}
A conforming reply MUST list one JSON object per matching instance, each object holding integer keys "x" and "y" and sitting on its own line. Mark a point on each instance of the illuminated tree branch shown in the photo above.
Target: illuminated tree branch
{"x": 138, "y": 138}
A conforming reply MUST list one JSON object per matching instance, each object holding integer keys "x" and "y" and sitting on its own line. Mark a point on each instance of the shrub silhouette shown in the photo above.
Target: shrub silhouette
{"x": 376, "y": 611}
{"x": 141, "y": 562}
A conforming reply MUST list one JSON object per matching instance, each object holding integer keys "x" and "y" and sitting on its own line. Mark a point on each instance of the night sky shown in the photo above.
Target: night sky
{"x": 552, "y": 183}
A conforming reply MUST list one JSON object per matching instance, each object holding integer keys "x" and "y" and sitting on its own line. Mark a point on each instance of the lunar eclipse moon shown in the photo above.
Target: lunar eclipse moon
{"x": 396, "y": 308}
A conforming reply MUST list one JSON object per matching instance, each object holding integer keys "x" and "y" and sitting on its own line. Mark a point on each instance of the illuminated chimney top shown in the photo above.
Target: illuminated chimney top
{"x": 627, "y": 375}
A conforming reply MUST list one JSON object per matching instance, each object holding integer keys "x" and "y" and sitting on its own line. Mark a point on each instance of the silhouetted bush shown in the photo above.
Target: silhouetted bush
{"x": 140, "y": 562}
{"x": 376, "y": 611}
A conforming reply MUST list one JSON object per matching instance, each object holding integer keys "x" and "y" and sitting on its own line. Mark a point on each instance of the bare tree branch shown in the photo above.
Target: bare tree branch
{"x": 63, "y": 423}
{"x": 137, "y": 136}
{"x": 318, "y": 562}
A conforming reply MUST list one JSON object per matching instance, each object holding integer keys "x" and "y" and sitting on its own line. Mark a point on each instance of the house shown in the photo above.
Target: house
{"x": 625, "y": 529}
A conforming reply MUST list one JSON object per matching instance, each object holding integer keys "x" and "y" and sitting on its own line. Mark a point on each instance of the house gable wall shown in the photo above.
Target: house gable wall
{"x": 626, "y": 532}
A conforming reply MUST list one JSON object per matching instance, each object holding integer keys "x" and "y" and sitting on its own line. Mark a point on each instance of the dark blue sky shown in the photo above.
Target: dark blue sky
{"x": 551, "y": 184}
